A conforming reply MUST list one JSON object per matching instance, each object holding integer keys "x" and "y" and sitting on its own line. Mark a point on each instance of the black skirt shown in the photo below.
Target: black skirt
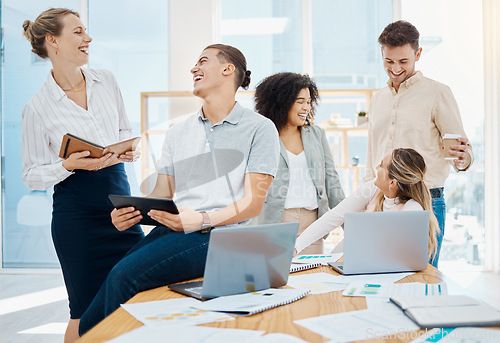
{"x": 86, "y": 241}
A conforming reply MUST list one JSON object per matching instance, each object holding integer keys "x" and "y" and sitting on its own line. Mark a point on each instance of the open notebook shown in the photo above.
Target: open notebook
{"x": 447, "y": 311}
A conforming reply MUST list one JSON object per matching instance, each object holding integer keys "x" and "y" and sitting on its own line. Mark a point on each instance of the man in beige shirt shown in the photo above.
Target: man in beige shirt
{"x": 415, "y": 112}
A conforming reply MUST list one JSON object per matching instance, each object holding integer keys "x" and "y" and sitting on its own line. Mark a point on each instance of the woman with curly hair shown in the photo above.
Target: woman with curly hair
{"x": 399, "y": 186}
{"x": 306, "y": 184}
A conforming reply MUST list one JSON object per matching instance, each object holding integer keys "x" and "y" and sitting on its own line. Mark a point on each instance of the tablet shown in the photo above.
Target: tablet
{"x": 144, "y": 205}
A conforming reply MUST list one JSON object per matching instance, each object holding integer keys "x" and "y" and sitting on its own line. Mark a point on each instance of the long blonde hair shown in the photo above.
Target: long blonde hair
{"x": 407, "y": 167}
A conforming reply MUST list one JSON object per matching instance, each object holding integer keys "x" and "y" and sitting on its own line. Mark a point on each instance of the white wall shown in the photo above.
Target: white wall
{"x": 491, "y": 13}
{"x": 192, "y": 26}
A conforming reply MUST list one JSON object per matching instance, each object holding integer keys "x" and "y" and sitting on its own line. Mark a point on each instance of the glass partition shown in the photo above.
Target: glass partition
{"x": 26, "y": 215}
{"x": 131, "y": 40}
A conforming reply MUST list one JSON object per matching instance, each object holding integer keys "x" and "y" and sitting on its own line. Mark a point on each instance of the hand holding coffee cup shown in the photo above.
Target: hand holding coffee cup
{"x": 449, "y": 140}
{"x": 455, "y": 149}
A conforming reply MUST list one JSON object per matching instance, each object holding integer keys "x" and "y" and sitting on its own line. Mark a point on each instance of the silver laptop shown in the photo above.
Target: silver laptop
{"x": 384, "y": 242}
{"x": 244, "y": 259}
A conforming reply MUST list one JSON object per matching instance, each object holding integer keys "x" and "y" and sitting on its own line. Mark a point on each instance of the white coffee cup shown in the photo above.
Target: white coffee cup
{"x": 450, "y": 139}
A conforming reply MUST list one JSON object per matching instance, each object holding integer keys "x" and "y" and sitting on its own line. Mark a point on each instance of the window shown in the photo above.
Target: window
{"x": 26, "y": 215}
{"x": 269, "y": 33}
{"x": 134, "y": 48}
{"x": 453, "y": 54}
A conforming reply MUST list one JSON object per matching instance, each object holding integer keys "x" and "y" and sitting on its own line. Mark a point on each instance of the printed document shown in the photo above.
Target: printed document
{"x": 173, "y": 312}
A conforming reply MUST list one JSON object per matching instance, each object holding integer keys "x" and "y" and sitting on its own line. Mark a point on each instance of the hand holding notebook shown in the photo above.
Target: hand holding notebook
{"x": 71, "y": 144}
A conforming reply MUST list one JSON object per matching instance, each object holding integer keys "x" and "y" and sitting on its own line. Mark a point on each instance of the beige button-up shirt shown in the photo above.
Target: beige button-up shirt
{"x": 417, "y": 116}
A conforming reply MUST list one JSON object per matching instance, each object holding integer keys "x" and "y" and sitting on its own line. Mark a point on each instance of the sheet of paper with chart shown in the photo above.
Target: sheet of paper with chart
{"x": 358, "y": 325}
{"x": 324, "y": 259}
{"x": 173, "y": 312}
{"x": 394, "y": 289}
{"x": 323, "y": 282}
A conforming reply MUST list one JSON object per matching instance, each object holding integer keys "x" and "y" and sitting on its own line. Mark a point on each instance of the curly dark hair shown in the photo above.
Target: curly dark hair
{"x": 276, "y": 94}
{"x": 398, "y": 34}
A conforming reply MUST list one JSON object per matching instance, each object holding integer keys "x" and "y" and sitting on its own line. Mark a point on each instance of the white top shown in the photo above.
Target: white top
{"x": 356, "y": 202}
{"x": 50, "y": 114}
{"x": 301, "y": 191}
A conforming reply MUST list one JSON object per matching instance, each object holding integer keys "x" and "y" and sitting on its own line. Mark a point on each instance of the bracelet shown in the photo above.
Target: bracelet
{"x": 205, "y": 225}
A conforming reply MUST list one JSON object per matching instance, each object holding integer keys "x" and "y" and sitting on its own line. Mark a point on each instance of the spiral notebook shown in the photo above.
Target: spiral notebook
{"x": 297, "y": 267}
{"x": 250, "y": 303}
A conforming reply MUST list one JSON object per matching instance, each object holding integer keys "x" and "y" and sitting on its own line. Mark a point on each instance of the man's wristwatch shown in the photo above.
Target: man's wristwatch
{"x": 205, "y": 226}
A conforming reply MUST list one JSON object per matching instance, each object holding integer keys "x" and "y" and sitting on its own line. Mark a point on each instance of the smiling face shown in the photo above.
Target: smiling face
{"x": 383, "y": 182}
{"x": 399, "y": 62}
{"x": 207, "y": 72}
{"x": 73, "y": 42}
{"x": 298, "y": 112}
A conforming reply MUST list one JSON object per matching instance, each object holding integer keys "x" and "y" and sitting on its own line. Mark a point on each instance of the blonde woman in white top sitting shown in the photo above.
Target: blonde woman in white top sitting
{"x": 399, "y": 186}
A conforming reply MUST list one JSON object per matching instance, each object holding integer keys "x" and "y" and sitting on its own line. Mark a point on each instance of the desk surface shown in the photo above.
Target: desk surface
{"x": 279, "y": 319}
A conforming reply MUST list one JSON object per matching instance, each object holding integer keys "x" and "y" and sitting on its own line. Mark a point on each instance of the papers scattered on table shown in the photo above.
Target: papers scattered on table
{"x": 358, "y": 325}
{"x": 381, "y": 304}
{"x": 173, "y": 312}
{"x": 318, "y": 282}
{"x": 324, "y": 259}
{"x": 396, "y": 289}
{"x": 255, "y": 302}
{"x": 195, "y": 334}
{"x": 323, "y": 282}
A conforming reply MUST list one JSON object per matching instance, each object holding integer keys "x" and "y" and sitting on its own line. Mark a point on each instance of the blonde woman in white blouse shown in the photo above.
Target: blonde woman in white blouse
{"x": 88, "y": 104}
{"x": 399, "y": 186}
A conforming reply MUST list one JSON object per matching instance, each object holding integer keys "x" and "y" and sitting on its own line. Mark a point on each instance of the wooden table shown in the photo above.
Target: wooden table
{"x": 279, "y": 319}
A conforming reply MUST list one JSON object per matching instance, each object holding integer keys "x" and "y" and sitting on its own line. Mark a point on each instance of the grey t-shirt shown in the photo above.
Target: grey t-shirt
{"x": 209, "y": 162}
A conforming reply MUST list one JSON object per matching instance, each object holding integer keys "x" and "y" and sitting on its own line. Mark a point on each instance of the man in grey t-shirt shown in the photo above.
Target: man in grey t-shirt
{"x": 219, "y": 162}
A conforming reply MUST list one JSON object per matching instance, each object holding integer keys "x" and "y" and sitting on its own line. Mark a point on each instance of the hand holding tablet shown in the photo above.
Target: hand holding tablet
{"x": 144, "y": 205}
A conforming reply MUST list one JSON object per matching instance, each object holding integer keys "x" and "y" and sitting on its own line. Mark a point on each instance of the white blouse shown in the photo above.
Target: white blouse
{"x": 50, "y": 114}
{"x": 356, "y": 202}
{"x": 301, "y": 190}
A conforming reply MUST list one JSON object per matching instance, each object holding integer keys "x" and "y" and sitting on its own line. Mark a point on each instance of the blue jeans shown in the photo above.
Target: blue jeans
{"x": 163, "y": 257}
{"x": 439, "y": 208}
